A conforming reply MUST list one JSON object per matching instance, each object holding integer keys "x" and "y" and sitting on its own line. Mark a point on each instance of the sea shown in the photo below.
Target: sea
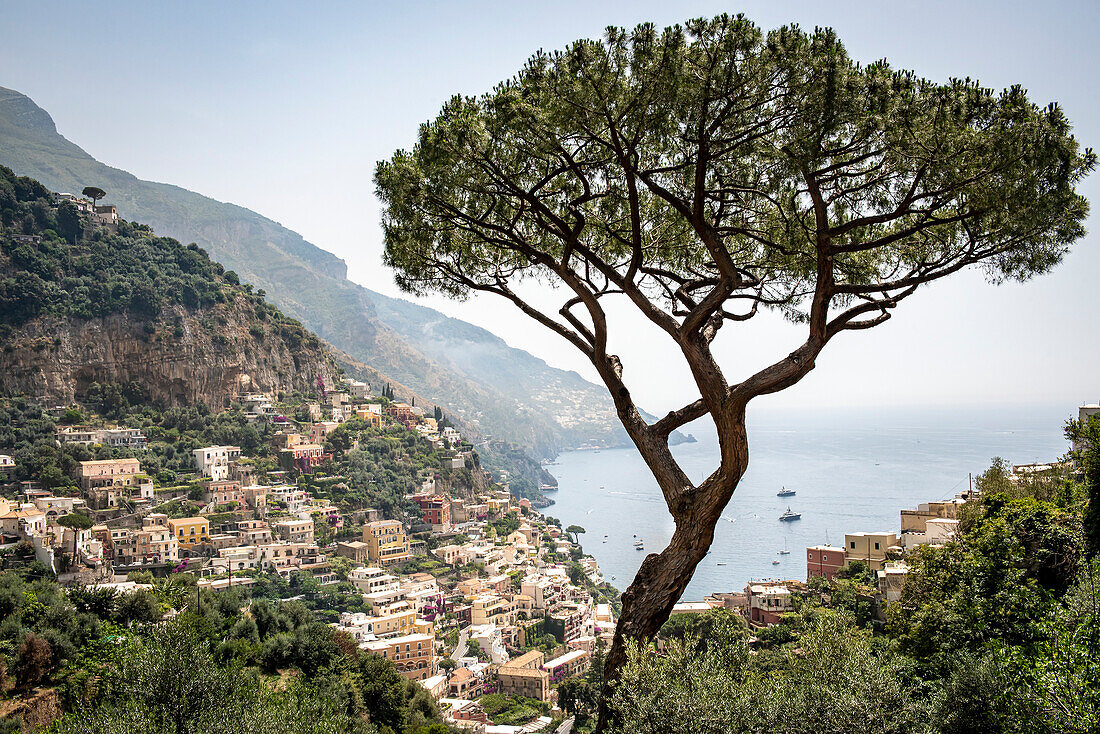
{"x": 852, "y": 470}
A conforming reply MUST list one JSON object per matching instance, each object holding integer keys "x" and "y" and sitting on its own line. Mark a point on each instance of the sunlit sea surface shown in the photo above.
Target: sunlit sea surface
{"x": 852, "y": 471}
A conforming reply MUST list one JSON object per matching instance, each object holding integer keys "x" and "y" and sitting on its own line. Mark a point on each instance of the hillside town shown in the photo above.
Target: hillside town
{"x": 508, "y": 604}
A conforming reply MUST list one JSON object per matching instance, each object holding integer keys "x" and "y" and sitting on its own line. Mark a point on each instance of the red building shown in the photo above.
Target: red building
{"x": 436, "y": 509}
{"x": 463, "y": 613}
{"x": 403, "y": 413}
{"x": 304, "y": 457}
{"x": 224, "y": 492}
{"x": 824, "y": 560}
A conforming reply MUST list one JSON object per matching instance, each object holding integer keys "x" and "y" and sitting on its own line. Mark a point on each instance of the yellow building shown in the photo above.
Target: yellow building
{"x": 395, "y": 621}
{"x": 190, "y": 531}
{"x": 498, "y": 505}
{"x": 386, "y": 542}
{"x": 371, "y": 417}
{"x": 871, "y": 548}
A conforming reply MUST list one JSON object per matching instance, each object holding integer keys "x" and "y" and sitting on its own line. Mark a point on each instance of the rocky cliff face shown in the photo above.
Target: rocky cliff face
{"x": 183, "y": 357}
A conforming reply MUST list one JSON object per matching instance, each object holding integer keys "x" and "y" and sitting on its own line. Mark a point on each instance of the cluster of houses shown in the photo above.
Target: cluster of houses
{"x": 491, "y": 598}
{"x": 503, "y": 595}
{"x": 883, "y": 554}
{"x": 102, "y": 215}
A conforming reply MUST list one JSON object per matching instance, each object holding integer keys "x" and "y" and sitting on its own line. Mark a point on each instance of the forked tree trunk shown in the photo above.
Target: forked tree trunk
{"x": 662, "y": 577}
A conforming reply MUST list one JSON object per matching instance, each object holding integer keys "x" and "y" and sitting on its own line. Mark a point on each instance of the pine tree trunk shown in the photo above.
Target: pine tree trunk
{"x": 662, "y": 578}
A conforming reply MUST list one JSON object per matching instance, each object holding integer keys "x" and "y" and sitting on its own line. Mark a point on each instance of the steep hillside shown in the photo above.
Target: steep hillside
{"x": 128, "y": 307}
{"x": 506, "y": 392}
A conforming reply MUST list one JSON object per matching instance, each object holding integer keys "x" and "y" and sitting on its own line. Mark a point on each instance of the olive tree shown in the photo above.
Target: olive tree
{"x": 708, "y": 172}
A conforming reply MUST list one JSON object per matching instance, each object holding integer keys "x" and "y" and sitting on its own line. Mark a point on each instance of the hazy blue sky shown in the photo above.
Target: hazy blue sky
{"x": 285, "y": 108}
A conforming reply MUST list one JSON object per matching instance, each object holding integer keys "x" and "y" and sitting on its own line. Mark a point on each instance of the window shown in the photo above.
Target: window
{"x": 824, "y": 557}
{"x": 876, "y": 546}
{"x": 853, "y": 544}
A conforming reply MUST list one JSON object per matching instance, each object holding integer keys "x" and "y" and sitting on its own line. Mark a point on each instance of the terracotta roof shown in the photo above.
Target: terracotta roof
{"x": 461, "y": 675}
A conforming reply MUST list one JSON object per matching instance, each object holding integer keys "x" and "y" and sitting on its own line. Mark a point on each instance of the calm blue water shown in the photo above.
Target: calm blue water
{"x": 853, "y": 471}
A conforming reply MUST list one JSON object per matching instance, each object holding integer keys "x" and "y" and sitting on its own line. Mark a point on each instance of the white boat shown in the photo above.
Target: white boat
{"x": 788, "y": 515}
{"x": 775, "y": 562}
{"x": 786, "y": 493}
{"x": 784, "y": 552}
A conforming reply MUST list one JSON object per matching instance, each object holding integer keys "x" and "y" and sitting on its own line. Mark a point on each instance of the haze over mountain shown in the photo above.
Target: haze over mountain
{"x": 505, "y": 392}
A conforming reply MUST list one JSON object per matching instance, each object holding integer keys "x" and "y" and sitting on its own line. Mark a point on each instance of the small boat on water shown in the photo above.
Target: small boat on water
{"x": 775, "y": 562}
{"x": 788, "y": 515}
{"x": 786, "y": 493}
{"x": 638, "y": 547}
{"x": 785, "y": 551}
{"x": 720, "y": 563}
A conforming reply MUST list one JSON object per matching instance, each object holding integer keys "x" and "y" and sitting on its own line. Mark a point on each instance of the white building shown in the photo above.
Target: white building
{"x": 213, "y": 461}
{"x": 491, "y": 641}
{"x": 359, "y": 389}
{"x": 891, "y": 580}
{"x": 1083, "y": 414}
{"x": 295, "y": 500}
{"x": 373, "y": 580}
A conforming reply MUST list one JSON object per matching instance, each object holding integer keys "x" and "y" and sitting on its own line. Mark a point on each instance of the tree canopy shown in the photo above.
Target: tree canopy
{"x": 708, "y": 170}
{"x": 94, "y": 193}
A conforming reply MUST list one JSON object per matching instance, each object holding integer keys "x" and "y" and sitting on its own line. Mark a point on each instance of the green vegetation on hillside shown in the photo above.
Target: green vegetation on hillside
{"x": 377, "y": 467}
{"x": 87, "y": 272}
{"x": 224, "y": 663}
